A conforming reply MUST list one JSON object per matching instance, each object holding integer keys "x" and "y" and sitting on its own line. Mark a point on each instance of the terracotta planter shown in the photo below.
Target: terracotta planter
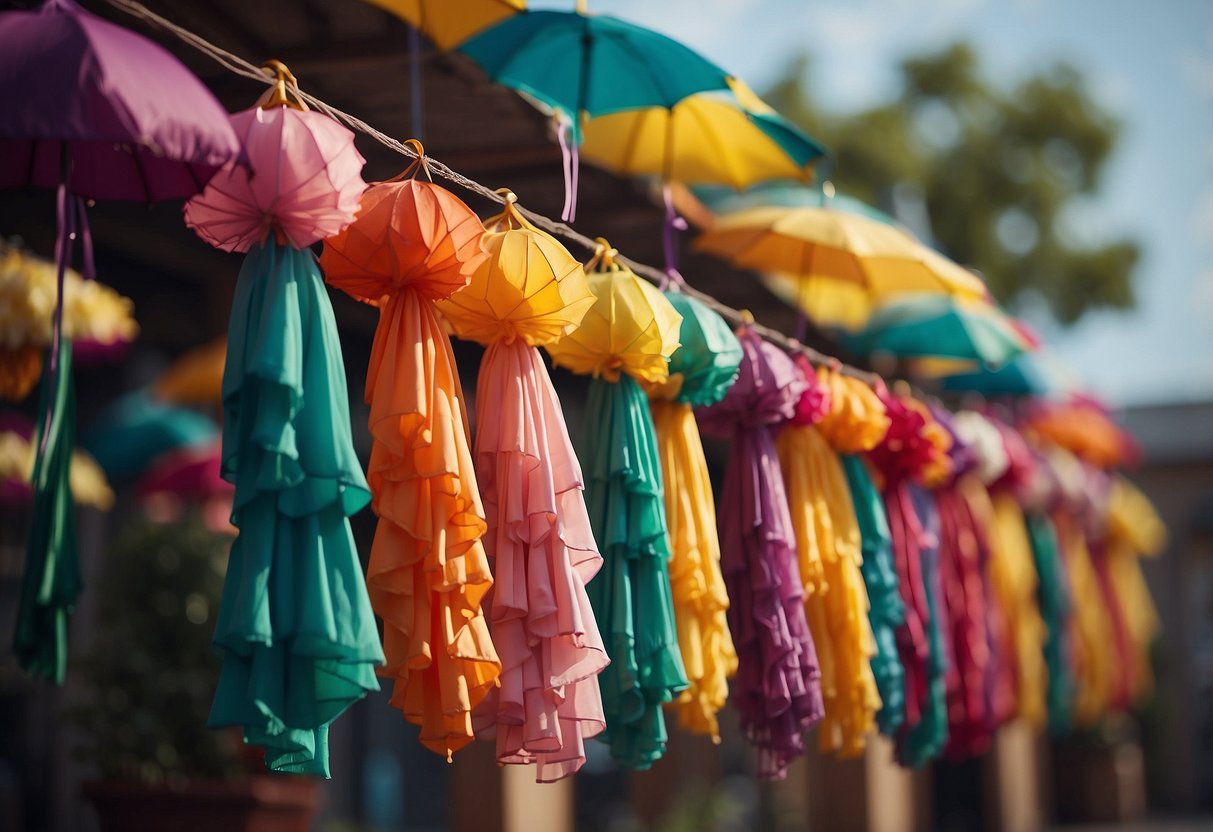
{"x": 257, "y": 804}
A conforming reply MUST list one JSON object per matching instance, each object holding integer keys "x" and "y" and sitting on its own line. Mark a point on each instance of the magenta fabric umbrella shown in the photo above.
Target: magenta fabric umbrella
{"x": 103, "y": 110}
{"x": 97, "y": 112}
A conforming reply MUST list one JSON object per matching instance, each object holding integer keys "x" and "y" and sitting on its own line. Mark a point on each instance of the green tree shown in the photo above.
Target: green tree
{"x": 996, "y": 168}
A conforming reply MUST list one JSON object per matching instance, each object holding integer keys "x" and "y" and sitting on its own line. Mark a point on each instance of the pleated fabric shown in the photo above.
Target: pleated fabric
{"x": 1093, "y": 657}
{"x": 413, "y": 243}
{"x": 701, "y": 371}
{"x": 299, "y": 639}
{"x": 632, "y": 596}
{"x": 836, "y": 600}
{"x": 927, "y": 739}
{"x": 887, "y": 612}
{"x": 543, "y": 554}
{"x": 778, "y": 688}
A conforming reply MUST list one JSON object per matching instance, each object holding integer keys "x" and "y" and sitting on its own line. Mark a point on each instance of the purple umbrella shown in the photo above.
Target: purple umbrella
{"x": 778, "y": 689}
{"x": 97, "y": 112}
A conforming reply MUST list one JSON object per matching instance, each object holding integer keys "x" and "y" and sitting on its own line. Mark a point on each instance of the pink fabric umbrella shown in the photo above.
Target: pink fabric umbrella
{"x": 311, "y": 198}
{"x": 103, "y": 110}
{"x": 191, "y": 473}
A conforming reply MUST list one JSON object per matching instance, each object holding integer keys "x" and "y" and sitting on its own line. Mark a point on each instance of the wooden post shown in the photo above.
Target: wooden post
{"x": 1011, "y": 781}
{"x": 866, "y": 794}
{"x": 529, "y": 806}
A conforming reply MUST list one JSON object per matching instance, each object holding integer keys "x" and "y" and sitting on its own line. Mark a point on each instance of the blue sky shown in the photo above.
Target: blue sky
{"x": 1150, "y": 63}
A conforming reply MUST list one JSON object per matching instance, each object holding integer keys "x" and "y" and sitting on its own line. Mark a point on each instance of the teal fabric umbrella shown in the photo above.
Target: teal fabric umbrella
{"x": 886, "y": 611}
{"x": 1021, "y": 376}
{"x": 591, "y": 65}
{"x": 136, "y": 428}
{"x": 52, "y": 581}
{"x": 299, "y": 639}
{"x": 923, "y": 325}
{"x": 631, "y": 596}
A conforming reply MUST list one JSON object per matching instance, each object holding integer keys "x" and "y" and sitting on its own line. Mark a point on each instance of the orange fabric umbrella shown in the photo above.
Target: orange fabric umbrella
{"x": 196, "y": 377}
{"x": 412, "y": 243}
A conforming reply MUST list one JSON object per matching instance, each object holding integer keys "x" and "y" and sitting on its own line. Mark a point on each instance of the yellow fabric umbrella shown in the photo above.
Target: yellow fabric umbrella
{"x": 449, "y": 23}
{"x": 712, "y": 138}
{"x": 88, "y": 484}
{"x": 635, "y": 331}
{"x": 531, "y": 288}
{"x": 196, "y": 377}
{"x": 811, "y": 245}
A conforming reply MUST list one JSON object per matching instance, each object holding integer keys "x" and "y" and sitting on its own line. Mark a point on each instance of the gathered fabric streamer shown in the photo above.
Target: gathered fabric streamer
{"x": 52, "y": 580}
{"x": 412, "y": 243}
{"x": 701, "y": 371}
{"x": 531, "y": 291}
{"x": 927, "y": 740}
{"x": 625, "y": 338}
{"x": 830, "y": 550}
{"x": 887, "y": 611}
{"x": 295, "y": 622}
{"x": 778, "y": 688}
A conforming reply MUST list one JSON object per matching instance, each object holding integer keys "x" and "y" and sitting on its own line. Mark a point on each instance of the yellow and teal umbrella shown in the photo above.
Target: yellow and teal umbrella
{"x": 449, "y": 23}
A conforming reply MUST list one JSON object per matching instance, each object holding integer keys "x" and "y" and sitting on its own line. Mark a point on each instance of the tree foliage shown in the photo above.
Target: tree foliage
{"x": 997, "y": 169}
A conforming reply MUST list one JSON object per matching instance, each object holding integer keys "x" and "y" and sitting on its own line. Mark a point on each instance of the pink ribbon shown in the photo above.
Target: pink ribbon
{"x": 572, "y": 165}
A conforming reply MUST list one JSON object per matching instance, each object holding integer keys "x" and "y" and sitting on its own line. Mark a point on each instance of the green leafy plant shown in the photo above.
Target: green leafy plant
{"x": 150, "y": 667}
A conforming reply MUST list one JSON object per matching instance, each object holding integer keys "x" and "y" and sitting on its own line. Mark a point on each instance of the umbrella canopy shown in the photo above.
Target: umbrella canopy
{"x": 716, "y": 138}
{"x": 824, "y": 242}
{"x": 196, "y": 377}
{"x": 1083, "y": 427}
{"x": 448, "y": 23}
{"x": 136, "y": 428}
{"x": 302, "y": 183}
{"x": 115, "y": 113}
{"x": 724, "y": 200}
{"x": 17, "y": 453}
{"x": 938, "y": 326}
{"x": 591, "y": 65}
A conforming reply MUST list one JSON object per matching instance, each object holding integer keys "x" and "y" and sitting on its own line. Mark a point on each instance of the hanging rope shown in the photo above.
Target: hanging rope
{"x": 239, "y": 66}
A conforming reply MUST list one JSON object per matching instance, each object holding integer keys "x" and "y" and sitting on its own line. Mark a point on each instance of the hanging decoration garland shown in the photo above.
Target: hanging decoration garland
{"x": 836, "y": 601}
{"x": 627, "y": 337}
{"x": 413, "y": 243}
{"x": 701, "y": 371}
{"x": 530, "y": 292}
{"x": 778, "y": 689}
{"x": 295, "y": 624}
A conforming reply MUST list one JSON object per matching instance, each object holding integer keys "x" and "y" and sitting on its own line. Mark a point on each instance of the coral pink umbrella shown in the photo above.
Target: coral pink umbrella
{"x": 303, "y": 182}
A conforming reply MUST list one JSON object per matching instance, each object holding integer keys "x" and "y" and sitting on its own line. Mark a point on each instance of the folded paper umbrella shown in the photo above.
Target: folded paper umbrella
{"x": 413, "y": 243}
{"x": 924, "y": 325}
{"x": 778, "y": 688}
{"x": 295, "y": 624}
{"x": 829, "y": 547}
{"x": 137, "y": 427}
{"x": 98, "y": 112}
{"x": 701, "y": 371}
{"x": 627, "y": 337}
{"x": 530, "y": 292}
{"x": 582, "y": 66}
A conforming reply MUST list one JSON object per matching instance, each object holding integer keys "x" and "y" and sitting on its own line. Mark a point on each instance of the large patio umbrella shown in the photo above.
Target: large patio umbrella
{"x": 98, "y": 112}
{"x": 924, "y": 325}
{"x": 583, "y": 66}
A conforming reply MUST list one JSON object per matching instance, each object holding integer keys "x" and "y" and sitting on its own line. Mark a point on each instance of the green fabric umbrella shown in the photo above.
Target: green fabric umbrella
{"x": 136, "y": 428}
{"x": 591, "y": 65}
{"x": 299, "y": 639}
{"x": 1055, "y": 609}
{"x": 631, "y": 596}
{"x": 52, "y": 581}
{"x": 923, "y": 325}
{"x": 707, "y": 355}
{"x": 886, "y": 611}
